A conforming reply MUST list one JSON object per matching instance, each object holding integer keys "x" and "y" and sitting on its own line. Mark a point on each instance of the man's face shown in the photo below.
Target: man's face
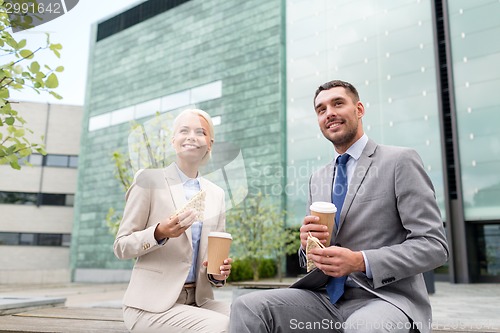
{"x": 339, "y": 117}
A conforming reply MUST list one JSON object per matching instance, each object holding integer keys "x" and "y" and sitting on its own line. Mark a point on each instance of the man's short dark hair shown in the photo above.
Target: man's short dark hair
{"x": 337, "y": 83}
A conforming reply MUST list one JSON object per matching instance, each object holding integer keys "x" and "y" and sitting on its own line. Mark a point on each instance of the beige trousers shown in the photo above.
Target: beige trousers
{"x": 184, "y": 316}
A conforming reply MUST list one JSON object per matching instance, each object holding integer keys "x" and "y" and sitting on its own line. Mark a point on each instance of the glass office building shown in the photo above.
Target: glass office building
{"x": 424, "y": 69}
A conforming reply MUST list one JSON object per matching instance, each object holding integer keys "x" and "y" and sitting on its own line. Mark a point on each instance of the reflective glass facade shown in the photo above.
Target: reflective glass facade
{"x": 441, "y": 102}
{"x": 425, "y": 71}
{"x": 475, "y": 51}
{"x": 474, "y": 31}
{"x": 384, "y": 48}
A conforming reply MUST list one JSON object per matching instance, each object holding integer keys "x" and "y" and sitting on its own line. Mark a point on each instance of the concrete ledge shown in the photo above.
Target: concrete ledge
{"x": 16, "y": 304}
{"x": 88, "y": 275}
{"x": 33, "y": 276}
{"x": 245, "y": 287}
{"x": 261, "y": 284}
{"x": 67, "y": 320}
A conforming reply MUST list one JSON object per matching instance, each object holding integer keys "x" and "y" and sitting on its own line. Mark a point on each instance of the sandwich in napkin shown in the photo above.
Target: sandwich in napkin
{"x": 312, "y": 242}
{"x": 196, "y": 204}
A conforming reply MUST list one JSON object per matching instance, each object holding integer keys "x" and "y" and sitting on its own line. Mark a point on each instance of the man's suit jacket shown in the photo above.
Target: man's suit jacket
{"x": 390, "y": 212}
{"x": 160, "y": 270}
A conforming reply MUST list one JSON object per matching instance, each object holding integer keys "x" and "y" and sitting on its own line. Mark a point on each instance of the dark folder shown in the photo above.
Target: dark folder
{"x": 313, "y": 280}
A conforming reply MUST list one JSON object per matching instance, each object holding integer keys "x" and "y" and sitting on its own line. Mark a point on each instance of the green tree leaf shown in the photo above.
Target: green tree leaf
{"x": 52, "y": 81}
{"x": 15, "y": 139}
{"x": 15, "y": 165}
{"x": 18, "y": 69}
{"x": 55, "y": 47}
{"x": 35, "y": 67}
{"x": 21, "y": 43}
{"x": 19, "y": 133}
{"x": 56, "y": 95}
{"x": 4, "y": 93}
{"x": 27, "y": 54}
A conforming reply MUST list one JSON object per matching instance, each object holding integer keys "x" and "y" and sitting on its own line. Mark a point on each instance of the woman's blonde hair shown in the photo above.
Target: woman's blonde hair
{"x": 205, "y": 116}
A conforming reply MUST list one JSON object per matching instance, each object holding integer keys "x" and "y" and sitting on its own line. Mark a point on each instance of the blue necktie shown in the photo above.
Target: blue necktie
{"x": 335, "y": 286}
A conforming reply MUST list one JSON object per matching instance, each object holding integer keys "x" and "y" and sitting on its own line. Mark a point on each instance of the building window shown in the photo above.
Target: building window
{"x": 49, "y": 199}
{"x": 26, "y": 239}
{"x": 73, "y": 161}
{"x": 45, "y": 199}
{"x": 488, "y": 249}
{"x": 52, "y": 160}
{"x": 49, "y": 240}
{"x": 66, "y": 240}
{"x": 69, "y": 200}
{"x": 56, "y": 160}
{"x": 192, "y": 96}
{"x": 18, "y": 198}
{"x": 135, "y": 15}
{"x": 36, "y": 159}
{"x": 9, "y": 238}
{"x": 35, "y": 239}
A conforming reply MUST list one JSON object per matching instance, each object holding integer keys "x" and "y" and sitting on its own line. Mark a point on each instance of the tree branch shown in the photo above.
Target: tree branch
{"x": 5, "y": 85}
{"x": 32, "y": 53}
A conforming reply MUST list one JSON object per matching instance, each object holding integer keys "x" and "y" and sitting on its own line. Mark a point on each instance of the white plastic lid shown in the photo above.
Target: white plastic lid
{"x": 323, "y": 207}
{"x": 220, "y": 234}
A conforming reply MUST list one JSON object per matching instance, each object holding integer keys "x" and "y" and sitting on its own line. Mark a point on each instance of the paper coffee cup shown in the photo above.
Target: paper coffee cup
{"x": 218, "y": 250}
{"x": 326, "y": 213}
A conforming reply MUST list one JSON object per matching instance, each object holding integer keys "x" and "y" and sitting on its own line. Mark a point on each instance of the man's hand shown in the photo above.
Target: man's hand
{"x": 310, "y": 224}
{"x": 175, "y": 225}
{"x": 337, "y": 261}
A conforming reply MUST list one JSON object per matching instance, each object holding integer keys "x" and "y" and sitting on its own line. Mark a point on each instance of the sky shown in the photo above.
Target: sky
{"x": 72, "y": 31}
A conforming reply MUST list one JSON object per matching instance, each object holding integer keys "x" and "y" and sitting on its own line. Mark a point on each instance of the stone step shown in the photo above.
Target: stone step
{"x": 16, "y": 304}
{"x": 65, "y": 320}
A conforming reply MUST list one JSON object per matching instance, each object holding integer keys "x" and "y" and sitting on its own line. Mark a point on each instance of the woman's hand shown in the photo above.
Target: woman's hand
{"x": 175, "y": 225}
{"x": 225, "y": 269}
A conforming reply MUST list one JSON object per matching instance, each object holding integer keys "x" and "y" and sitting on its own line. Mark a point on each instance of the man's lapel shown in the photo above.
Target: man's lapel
{"x": 324, "y": 187}
{"x": 358, "y": 176}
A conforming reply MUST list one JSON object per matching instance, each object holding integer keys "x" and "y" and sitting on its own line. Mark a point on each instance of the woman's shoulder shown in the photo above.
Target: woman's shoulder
{"x": 147, "y": 173}
{"x": 148, "y": 176}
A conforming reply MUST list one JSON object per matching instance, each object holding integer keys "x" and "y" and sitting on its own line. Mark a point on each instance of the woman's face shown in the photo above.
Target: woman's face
{"x": 191, "y": 139}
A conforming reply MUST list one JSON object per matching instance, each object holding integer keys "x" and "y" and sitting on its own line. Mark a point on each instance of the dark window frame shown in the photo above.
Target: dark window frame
{"x": 37, "y": 239}
{"x": 39, "y": 199}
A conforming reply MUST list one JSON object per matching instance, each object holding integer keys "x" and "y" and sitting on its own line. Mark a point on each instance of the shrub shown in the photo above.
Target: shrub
{"x": 267, "y": 268}
{"x": 241, "y": 270}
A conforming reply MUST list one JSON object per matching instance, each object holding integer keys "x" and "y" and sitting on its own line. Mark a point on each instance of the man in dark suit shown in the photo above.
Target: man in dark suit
{"x": 389, "y": 231}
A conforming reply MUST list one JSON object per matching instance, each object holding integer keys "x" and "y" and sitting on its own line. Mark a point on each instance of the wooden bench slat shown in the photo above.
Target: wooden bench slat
{"x": 65, "y": 320}
{"x": 104, "y": 314}
{"x": 57, "y": 325}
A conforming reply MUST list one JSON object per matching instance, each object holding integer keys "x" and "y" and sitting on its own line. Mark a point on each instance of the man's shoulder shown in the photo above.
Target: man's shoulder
{"x": 322, "y": 171}
{"x": 397, "y": 155}
{"x": 395, "y": 150}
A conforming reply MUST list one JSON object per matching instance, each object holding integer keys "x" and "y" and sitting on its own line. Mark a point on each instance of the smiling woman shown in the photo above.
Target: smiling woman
{"x": 192, "y": 140}
{"x": 170, "y": 242}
